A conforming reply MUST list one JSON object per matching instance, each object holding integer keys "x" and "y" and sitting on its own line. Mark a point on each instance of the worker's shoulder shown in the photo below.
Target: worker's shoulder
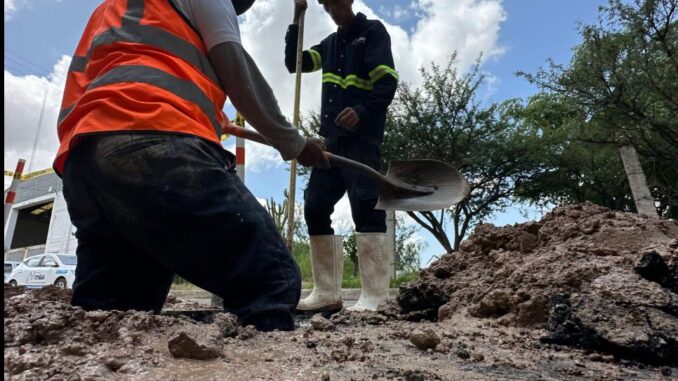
{"x": 375, "y": 26}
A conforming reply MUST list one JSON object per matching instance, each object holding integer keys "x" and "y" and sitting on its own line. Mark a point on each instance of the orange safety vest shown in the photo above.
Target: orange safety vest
{"x": 139, "y": 66}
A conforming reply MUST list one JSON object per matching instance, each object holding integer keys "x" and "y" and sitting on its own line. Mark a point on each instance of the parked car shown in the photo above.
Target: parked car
{"x": 9, "y": 267}
{"x": 43, "y": 270}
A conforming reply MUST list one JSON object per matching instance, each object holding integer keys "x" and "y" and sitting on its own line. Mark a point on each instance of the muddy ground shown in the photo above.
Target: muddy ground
{"x": 561, "y": 305}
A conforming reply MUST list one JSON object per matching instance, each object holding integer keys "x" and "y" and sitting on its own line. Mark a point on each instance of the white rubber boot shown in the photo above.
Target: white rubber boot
{"x": 327, "y": 262}
{"x": 373, "y": 261}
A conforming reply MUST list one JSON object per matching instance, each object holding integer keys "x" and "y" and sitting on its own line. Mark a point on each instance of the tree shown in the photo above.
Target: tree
{"x": 442, "y": 120}
{"x": 351, "y": 250}
{"x": 568, "y": 167}
{"x": 407, "y": 248}
{"x": 624, "y": 75}
{"x": 278, "y": 212}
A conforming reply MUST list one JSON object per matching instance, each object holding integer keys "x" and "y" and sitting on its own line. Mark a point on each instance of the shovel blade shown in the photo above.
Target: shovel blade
{"x": 448, "y": 185}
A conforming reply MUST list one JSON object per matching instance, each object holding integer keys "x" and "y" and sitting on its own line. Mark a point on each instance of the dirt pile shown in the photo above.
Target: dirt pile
{"x": 593, "y": 277}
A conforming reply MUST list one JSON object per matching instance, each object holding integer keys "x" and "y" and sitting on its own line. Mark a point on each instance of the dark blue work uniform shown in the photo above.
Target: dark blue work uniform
{"x": 358, "y": 72}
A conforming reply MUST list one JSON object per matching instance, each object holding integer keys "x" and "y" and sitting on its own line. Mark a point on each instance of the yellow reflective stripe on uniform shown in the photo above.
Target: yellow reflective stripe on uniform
{"x": 317, "y": 59}
{"x": 381, "y": 71}
{"x": 350, "y": 80}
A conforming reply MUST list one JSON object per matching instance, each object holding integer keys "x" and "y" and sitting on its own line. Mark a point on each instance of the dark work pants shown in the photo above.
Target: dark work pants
{"x": 147, "y": 206}
{"x": 327, "y": 186}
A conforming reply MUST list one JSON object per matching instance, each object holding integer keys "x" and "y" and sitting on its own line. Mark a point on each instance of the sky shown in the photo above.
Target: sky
{"x": 41, "y": 35}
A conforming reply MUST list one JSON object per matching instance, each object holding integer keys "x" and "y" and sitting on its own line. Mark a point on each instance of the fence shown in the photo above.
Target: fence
{"x": 20, "y": 254}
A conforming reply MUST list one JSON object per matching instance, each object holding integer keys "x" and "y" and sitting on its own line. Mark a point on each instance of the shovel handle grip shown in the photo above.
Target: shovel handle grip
{"x": 335, "y": 160}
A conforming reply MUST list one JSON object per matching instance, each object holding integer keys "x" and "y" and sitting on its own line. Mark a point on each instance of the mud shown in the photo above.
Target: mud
{"x": 594, "y": 278}
{"x": 511, "y": 327}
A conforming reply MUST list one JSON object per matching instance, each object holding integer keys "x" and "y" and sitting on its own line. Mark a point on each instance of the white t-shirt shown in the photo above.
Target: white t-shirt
{"x": 215, "y": 20}
{"x": 217, "y": 23}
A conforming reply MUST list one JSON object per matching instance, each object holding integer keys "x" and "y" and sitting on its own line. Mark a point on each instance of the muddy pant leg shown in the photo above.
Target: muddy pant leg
{"x": 173, "y": 198}
{"x": 325, "y": 188}
{"x": 111, "y": 273}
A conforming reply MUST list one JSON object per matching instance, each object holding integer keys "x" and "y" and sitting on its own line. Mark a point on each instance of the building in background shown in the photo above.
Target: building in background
{"x": 38, "y": 221}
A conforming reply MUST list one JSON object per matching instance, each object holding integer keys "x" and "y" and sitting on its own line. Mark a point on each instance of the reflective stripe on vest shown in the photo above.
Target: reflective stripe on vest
{"x": 186, "y": 90}
{"x": 132, "y": 31}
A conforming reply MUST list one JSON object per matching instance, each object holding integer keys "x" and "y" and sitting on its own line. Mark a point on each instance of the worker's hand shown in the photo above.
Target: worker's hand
{"x": 348, "y": 119}
{"x": 313, "y": 154}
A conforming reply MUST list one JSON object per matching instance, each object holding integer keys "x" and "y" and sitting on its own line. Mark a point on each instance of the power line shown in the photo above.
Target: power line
{"x": 23, "y": 71}
{"x": 59, "y": 80}
{"x": 39, "y": 67}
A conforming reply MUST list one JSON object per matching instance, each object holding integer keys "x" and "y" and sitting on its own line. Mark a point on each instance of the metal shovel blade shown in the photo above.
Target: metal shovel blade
{"x": 447, "y": 186}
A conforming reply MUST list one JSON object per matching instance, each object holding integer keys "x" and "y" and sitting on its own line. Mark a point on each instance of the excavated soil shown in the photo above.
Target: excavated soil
{"x": 476, "y": 337}
{"x": 594, "y": 278}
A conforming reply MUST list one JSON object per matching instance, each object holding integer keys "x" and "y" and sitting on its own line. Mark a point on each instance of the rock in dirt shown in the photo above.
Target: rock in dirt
{"x": 424, "y": 339}
{"x": 496, "y": 303}
{"x": 227, "y": 323}
{"x": 201, "y": 343}
{"x": 115, "y": 363}
{"x": 414, "y": 375}
{"x": 533, "y": 312}
{"x": 246, "y": 333}
{"x": 620, "y": 269}
{"x": 319, "y": 323}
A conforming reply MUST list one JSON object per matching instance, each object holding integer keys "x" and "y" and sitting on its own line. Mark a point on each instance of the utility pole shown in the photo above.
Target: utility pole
{"x": 37, "y": 133}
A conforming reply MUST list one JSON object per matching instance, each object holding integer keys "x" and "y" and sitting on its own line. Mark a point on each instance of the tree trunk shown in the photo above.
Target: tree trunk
{"x": 634, "y": 172}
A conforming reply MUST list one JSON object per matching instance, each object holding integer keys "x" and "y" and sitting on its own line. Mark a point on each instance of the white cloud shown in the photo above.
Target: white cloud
{"x": 259, "y": 157}
{"x": 342, "y": 222}
{"x": 11, "y": 6}
{"x": 23, "y": 102}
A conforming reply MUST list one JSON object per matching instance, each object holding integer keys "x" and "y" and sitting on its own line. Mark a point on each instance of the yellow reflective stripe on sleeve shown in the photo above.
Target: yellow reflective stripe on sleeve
{"x": 350, "y": 80}
{"x": 317, "y": 59}
{"x": 381, "y": 71}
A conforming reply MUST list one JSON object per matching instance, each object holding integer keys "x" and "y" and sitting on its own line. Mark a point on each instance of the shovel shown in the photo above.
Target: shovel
{"x": 409, "y": 185}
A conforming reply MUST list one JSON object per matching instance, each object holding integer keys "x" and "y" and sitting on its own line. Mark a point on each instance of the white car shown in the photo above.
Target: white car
{"x": 9, "y": 267}
{"x": 43, "y": 270}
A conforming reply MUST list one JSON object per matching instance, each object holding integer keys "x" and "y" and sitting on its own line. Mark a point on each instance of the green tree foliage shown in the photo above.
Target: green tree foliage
{"x": 407, "y": 249}
{"x": 443, "y": 120}
{"x": 623, "y": 79}
{"x": 569, "y": 168}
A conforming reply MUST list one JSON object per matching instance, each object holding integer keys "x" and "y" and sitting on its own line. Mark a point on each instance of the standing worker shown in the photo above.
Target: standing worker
{"x": 148, "y": 184}
{"x": 359, "y": 83}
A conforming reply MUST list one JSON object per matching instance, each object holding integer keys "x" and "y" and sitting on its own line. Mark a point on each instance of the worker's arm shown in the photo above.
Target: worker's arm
{"x": 217, "y": 24}
{"x": 379, "y": 61}
{"x": 253, "y": 98}
{"x": 312, "y": 58}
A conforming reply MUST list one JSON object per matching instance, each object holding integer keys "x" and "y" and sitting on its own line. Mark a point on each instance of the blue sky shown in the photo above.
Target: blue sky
{"x": 39, "y": 33}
